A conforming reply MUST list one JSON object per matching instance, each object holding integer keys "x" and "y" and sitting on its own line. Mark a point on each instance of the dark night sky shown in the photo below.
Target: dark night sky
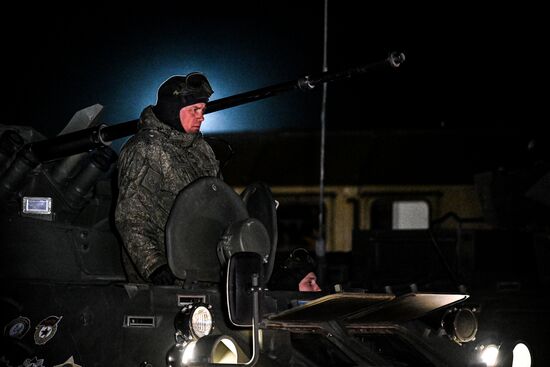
{"x": 466, "y": 66}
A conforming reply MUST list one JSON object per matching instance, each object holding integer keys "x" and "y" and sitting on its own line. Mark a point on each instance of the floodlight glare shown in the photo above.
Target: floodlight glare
{"x": 489, "y": 354}
{"x": 521, "y": 356}
{"x": 180, "y": 354}
{"x": 188, "y": 352}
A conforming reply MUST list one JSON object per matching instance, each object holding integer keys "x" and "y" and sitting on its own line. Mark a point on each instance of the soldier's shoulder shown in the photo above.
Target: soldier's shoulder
{"x": 146, "y": 141}
{"x": 142, "y": 148}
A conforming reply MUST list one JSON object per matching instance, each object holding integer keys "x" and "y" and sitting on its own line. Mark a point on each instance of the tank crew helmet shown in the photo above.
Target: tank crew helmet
{"x": 177, "y": 92}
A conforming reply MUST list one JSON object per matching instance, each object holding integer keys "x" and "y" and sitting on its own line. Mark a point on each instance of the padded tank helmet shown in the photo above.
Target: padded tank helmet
{"x": 180, "y": 91}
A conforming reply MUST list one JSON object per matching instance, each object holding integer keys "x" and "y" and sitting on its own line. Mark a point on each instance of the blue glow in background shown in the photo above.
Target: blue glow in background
{"x": 135, "y": 87}
{"x": 69, "y": 59}
{"x": 119, "y": 59}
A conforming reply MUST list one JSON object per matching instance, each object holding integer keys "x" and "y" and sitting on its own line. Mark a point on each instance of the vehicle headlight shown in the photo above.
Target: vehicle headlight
{"x": 460, "y": 325}
{"x": 201, "y": 322}
{"x": 194, "y": 321}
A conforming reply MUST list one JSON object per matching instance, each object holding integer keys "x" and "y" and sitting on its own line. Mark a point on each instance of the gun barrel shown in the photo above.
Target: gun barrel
{"x": 101, "y": 135}
{"x": 68, "y": 144}
{"x": 305, "y": 83}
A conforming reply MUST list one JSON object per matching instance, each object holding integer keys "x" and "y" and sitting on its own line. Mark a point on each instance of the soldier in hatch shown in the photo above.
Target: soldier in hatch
{"x": 167, "y": 154}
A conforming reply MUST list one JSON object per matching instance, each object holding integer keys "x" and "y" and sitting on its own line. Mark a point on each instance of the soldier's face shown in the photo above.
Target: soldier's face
{"x": 192, "y": 116}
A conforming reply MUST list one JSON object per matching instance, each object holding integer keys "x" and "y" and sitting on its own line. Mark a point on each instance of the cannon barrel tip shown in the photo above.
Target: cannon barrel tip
{"x": 396, "y": 59}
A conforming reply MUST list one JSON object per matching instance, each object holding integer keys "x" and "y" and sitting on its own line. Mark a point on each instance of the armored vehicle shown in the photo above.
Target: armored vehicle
{"x": 66, "y": 300}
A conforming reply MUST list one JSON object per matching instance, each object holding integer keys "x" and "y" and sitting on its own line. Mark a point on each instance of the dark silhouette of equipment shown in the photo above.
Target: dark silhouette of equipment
{"x": 214, "y": 224}
{"x": 10, "y": 142}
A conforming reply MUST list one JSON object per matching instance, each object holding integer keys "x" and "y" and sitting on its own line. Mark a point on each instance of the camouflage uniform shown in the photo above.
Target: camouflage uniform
{"x": 154, "y": 166}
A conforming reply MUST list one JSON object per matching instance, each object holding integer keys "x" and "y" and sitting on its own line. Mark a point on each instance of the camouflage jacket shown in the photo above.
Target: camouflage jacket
{"x": 154, "y": 165}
